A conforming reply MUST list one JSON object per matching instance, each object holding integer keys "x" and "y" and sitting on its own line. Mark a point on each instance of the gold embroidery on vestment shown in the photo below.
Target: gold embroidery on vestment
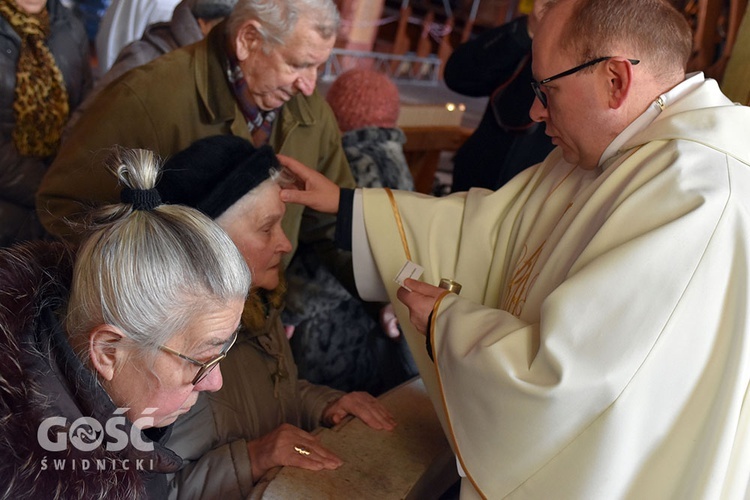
{"x": 519, "y": 285}
{"x": 523, "y": 277}
{"x": 399, "y": 222}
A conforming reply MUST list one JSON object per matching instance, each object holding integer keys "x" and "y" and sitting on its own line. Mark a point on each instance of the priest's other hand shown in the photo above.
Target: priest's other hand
{"x": 312, "y": 188}
{"x": 420, "y": 301}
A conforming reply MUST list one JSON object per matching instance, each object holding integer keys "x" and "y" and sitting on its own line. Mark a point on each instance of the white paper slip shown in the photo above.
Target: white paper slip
{"x": 408, "y": 270}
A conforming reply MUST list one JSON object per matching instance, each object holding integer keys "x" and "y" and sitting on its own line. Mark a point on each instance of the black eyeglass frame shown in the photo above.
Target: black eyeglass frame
{"x": 208, "y": 366}
{"x": 537, "y": 86}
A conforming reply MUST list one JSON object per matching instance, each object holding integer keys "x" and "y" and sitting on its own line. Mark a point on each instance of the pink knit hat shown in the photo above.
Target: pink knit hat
{"x": 363, "y": 98}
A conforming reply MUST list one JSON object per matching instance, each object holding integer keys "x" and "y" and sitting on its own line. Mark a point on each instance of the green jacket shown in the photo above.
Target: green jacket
{"x": 165, "y": 106}
{"x": 261, "y": 391}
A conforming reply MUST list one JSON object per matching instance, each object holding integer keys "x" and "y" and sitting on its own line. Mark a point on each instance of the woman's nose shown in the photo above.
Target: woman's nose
{"x": 285, "y": 246}
{"x": 212, "y": 382}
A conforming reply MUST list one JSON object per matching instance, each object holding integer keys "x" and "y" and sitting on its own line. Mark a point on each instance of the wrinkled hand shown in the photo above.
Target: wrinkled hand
{"x": 315, "y": 190}
{"x": 420, "y": 301}
{"x": 389, "y": 322}
{"x": 361, "y": 405}
{"x": 277, "y": 449}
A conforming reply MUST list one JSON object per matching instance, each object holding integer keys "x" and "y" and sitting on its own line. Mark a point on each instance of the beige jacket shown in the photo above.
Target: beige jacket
{"x": 261, "y": 391}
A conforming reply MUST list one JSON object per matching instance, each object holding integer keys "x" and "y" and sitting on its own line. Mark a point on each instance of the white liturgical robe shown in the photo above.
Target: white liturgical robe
{"x": 600, "y": 345}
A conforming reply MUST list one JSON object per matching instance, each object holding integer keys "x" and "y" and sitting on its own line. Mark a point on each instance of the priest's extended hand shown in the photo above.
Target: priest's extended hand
{"x": 313, "y": 189}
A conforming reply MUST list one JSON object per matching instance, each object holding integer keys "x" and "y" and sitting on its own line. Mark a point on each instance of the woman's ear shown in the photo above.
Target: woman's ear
{"x": 106, "y": 351}
{"x": 247, "y": 41}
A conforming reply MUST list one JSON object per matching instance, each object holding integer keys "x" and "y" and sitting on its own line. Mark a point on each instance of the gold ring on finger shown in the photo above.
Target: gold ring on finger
{"x": 302, "y": 451}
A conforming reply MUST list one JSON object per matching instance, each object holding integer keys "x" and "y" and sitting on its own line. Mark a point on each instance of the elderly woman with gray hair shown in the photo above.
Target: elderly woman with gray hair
{"x": 101, "y": 351}
{"x": 262, "y": 416}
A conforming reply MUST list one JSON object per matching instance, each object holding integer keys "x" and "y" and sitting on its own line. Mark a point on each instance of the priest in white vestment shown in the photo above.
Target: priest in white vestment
{"x": 600, "y": 345}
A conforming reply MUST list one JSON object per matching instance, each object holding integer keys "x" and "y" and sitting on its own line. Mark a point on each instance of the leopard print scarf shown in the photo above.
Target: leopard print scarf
{"x": 41, "y": 101}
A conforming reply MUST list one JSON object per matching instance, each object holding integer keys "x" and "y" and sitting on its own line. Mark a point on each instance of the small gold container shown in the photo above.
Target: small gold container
{"x": 450, "y": 285}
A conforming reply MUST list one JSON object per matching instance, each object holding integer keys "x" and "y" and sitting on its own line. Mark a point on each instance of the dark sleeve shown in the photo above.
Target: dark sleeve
{"x": 479, "y": 66}
{"x": 20, "y": 176}
{"x": 428, "y": 344}
{"x": 343, "y": 236}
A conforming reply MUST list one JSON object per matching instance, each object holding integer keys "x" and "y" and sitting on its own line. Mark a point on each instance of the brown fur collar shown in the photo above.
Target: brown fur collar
{"x": 258, "y": 304}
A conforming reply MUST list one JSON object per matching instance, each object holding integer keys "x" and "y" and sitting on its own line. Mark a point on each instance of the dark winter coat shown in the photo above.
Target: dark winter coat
{"x": 497, "y": 64}
{"x": 157, "y": 40}
{"x": 41, "y": 377}
{"x": 20, "y": 175}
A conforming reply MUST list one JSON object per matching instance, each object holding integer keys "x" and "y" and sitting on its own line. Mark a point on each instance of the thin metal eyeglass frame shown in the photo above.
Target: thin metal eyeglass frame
{"x": 537, "y": 86}
{"x": 208, "y": 366}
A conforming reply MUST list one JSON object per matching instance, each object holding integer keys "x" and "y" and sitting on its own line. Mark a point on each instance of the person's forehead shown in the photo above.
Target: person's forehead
{"x": 548, "y": 56}
{"x": 268, "y": 204}
{"x": 211, "y": 327}
{"x": 305, "y": 44}
{"x": 551, "y": 24}
{"x": 542, "y": 60}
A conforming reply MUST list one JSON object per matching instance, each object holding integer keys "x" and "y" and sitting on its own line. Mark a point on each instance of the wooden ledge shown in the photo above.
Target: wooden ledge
{"x": 423, "y": 147}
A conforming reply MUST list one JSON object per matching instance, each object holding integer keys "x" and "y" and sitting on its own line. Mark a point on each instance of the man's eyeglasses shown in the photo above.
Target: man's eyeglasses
{"x": 537, "y": 86}
{"x": 208, "y": 366}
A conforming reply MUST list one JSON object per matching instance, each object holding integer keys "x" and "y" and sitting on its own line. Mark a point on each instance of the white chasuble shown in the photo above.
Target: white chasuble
{"x": 600, "y": 346}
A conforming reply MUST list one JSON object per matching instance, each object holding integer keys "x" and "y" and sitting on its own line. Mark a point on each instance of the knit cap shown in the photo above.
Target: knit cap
{"x": 213, "y": 173}
{"x": 211, "y": 9}
{"x": 362, "y": 98}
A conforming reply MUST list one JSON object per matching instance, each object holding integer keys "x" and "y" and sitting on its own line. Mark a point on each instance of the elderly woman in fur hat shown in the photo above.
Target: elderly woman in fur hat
{"x": 262, "y": 416}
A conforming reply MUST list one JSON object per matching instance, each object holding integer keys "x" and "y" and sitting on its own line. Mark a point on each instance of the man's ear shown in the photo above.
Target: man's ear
{"x": 106, "y": 350}
{"x": 619, "y": 81}
{"x": 247, "y": 40}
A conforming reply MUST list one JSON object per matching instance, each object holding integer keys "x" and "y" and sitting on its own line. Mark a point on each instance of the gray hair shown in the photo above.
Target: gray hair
{"x": 278, "y": 18}
{"x": 151, "y": 272}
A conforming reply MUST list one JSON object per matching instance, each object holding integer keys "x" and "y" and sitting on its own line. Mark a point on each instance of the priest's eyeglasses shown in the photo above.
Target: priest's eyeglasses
{"x": 208, "y": 366}
{"x": 537, "y": 86}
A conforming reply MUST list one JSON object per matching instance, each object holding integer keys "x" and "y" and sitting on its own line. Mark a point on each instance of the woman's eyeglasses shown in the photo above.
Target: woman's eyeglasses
{"x": 208, "y": 366}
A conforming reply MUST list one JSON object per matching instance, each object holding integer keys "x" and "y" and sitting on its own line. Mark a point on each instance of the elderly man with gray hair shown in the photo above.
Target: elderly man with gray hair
{"x": 253, "y": 76}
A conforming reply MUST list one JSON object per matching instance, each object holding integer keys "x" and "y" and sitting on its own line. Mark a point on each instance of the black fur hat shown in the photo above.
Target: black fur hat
{"x": 213, "y": 173}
